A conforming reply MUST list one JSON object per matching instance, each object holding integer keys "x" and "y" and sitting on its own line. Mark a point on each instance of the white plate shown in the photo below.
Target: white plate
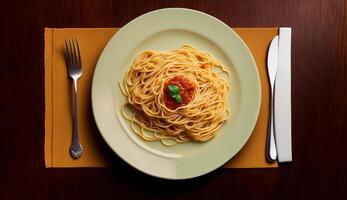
{"x": 162, "y": 30}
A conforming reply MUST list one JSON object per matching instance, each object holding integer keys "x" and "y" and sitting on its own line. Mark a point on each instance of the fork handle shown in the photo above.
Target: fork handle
{"x": 76, "y": 149}
{"x": 271, "y": 152}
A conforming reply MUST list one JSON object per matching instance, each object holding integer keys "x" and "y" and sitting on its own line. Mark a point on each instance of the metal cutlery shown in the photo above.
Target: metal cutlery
{"x": 74, "y": 66}
{"x": 272, "y": 61}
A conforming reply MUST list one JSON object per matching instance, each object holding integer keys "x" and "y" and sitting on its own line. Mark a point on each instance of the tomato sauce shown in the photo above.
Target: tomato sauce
{"x": 186, "y": 91}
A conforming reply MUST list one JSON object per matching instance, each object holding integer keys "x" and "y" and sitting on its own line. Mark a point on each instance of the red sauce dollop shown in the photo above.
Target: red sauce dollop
{"x": 186, "y": 91}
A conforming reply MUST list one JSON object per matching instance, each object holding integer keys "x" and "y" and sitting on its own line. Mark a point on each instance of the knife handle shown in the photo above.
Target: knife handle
{"x": 271, "y": 151}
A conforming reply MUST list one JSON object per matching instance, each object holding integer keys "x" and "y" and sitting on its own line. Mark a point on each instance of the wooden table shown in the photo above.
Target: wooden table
{"x": 319, "y": 104}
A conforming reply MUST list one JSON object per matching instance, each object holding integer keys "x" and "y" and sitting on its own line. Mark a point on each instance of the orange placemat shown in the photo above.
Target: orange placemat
{"x": 58, "y": 120}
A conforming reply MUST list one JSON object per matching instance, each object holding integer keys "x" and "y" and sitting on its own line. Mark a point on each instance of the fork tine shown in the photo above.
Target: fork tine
{"x": 72, "y": 59}
{"x": 67, "y": 54}
{"x": 79, "y": 54}
{"x": 74, "y": 53}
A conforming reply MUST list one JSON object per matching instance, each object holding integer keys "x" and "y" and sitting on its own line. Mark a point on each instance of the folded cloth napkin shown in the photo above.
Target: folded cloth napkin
{"x": 58, "y": 89}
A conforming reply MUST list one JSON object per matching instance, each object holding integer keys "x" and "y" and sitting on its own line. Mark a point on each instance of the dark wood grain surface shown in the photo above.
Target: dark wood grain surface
{"x": 319, "y": 104}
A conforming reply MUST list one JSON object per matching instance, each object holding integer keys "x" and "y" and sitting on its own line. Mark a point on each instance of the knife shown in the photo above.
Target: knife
{"x": 272, "y": 61}
{"x": 282, "y": 120}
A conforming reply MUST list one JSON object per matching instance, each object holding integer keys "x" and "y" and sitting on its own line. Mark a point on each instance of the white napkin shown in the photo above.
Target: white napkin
{"x": 283, "y": 122}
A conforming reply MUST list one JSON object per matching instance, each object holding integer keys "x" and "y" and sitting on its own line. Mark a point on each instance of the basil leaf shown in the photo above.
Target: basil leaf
{"x": 174, "y": 90}
{"x": 178, "y": 98}
{"x": 175, "y": 93}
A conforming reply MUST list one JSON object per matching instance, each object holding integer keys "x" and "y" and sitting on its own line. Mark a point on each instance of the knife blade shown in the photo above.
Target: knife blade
{"x": 272, "y": 61}
{"x": 282, "y": 115}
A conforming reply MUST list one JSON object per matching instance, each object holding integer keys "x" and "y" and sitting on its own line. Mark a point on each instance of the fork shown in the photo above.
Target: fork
{"x": 74, "y": 66}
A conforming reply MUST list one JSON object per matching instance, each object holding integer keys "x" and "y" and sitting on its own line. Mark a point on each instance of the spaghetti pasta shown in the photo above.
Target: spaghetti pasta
{"x": 176, "y": 95}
